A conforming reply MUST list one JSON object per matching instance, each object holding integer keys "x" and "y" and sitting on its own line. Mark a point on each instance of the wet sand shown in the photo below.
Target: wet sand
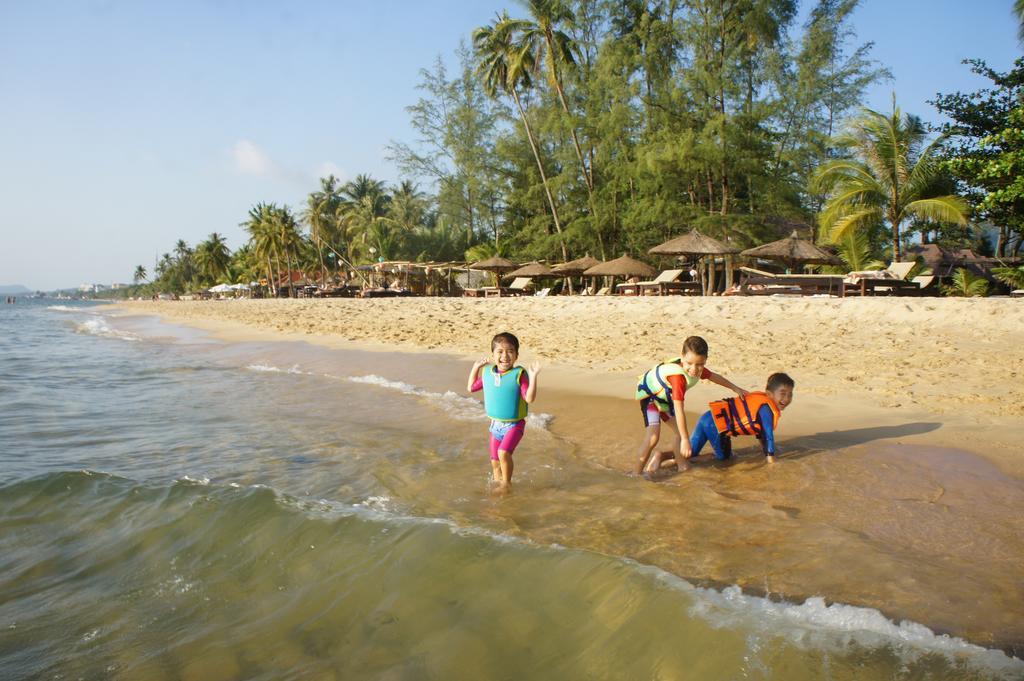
{"x": 905, "y": 500}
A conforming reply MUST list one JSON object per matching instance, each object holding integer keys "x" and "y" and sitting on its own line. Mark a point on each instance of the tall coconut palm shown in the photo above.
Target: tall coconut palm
{"x": 317, "y": 216}
{"x": 890, "y": 178}
{"x": 263, "y": 235}
{"x": 1018, "y": 10}
{"x": 140, "y": 274}
{"x": 213, "y": 257}
{"x": 505, "y": 68}
{"x": 553, "y": 48}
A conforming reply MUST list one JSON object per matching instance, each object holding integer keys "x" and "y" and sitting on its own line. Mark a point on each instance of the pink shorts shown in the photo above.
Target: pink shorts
{"x": 505, "y": 435}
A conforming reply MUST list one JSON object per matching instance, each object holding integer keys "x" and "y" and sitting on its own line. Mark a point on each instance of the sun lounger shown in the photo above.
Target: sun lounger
{"x": 892, "y": 281}
{"x": 758, "y": 282}
{"x": 1017, "y": 293}
{"x": 662, "y": 285}
{"x": 927, "y": 285}
{"x": 518, "y": 287}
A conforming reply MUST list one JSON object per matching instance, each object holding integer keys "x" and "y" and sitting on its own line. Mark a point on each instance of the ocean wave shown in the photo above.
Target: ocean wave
{"x": 813, "y": 625}
{"x": 267, "y": 368}
{"x": 100, "y": 327}
{"x": 66, "y": 308}
{"x": 457, "y": 406}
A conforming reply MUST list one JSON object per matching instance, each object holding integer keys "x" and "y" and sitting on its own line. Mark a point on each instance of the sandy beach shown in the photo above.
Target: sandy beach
{"x": 857, "y": 362}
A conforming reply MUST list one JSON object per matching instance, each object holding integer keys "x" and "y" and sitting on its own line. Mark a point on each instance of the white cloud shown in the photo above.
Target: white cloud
{"x": 251, "y": 160}
{"x": 331, "y": 168}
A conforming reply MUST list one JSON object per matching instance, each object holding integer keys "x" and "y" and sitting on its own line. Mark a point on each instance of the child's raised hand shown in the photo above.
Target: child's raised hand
{"x": 534, "y": 369}
{"x": 480, "y": 362}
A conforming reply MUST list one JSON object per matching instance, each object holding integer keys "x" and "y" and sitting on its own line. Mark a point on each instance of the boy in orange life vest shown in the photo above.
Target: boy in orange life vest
{"x": 755, "y": 414}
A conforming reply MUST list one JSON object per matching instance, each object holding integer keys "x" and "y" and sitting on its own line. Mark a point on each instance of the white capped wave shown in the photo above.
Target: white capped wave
{"x": 458, "y": 406}
{"x": 272, "y": 369}
{"x": 201, "y": 480}
{"x": 818, "y": 625}
{"x": 99, "y": 327}
{"x": 66, "y": 308}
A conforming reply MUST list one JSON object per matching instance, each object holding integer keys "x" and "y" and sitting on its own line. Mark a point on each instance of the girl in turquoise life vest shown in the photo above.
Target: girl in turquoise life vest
{"x": 507, "y": 390}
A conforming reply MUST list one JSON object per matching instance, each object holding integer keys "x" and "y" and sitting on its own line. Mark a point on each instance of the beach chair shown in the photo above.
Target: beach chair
{"x": 663, "y": 284}
{"x": 518, "y": 287}
{"x": 927, "y": 285}
{"x": 759, "y": 282}
{"x": 543, "y": 293}
{"x": 521, "y": 285}
{"x": 892, "y": 281}
{"x": 604, "y": 291}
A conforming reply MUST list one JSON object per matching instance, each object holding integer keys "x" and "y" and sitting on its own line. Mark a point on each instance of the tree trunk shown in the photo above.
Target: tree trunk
{"x": 543, "y": 175}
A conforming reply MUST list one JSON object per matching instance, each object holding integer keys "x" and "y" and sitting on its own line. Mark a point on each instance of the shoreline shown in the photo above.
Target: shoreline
{"x": 859, "y": 491}
{"x": 856, "y": 365}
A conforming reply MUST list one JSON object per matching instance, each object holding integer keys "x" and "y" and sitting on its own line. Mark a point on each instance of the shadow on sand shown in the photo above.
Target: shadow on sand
{"x": 805, "y": 445}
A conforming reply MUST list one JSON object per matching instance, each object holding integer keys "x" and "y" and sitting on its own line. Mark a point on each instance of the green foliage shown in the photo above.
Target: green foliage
{"x": 892, "y": 176}
{"x": 855, "y": 250}
{"x": 1011, "y": 276}
{"x": 985, "y": 150}
{"x": 965, "y": 283}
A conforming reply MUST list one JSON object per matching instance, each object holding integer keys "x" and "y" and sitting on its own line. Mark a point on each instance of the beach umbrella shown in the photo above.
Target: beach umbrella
{"x": 693, "y": 243}
{"x": 533, "y": 269}
{"x": 575, "y": 267}
{"x": 620, "y": 267}
{"x": 494, "y": 264}
{"x": 700, "y": 245}
{"x": 791, "y": 251}
{"x": 221, "y": 288}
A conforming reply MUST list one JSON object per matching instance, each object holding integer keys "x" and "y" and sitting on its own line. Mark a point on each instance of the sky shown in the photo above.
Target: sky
{"x": 125, "y": 125}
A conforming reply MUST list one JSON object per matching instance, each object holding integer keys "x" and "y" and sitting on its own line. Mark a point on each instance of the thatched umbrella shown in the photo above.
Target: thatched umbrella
{"x": 574, "y": 268}
{"x": 495, "y": 264}
{"x": 695, "y": 243}
{"x": 533, "y": 269}
{"x": 621, "y": 267}
{"x": 791, "y": 251}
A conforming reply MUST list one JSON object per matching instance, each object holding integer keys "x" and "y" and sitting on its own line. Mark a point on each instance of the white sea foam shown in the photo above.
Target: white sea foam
{"x": 202, "y": 480}
{"x": 814, "y": 624}
{"x": 457, "y": 406}
{"x": 99, "y": 327}
{"x": 276, "y": 370}
{"x": 66, "y": 308}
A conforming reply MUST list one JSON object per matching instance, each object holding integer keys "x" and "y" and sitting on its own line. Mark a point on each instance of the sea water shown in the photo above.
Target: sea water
{"x": 172, "y": 507}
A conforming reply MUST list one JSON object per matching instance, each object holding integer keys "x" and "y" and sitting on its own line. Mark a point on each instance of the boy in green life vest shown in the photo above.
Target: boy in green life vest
{"x": 507, "y": 390}
{"x": 662, "y": 391}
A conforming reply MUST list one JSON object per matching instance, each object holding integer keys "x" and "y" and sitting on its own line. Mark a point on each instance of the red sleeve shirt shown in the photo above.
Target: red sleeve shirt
{"x": 678, "y": 384}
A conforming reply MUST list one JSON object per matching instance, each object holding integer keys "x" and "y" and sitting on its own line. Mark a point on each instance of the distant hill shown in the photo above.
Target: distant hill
{"x": 13, "y": 290}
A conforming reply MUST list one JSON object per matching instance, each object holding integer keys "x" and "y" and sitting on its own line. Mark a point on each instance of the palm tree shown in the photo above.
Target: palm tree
{"x": 140, "y": 274}
{"x": 557, "y": 51}
{"x": 316, "y": 215}
{"x": 263, "y": 235}
{"x": 891, "y": 177}
{"x": 1011, "y": 276}
{"x": 213, "y": 257}
{"x": 1018, "y": 10}
{"x": 965, "y": 283}
{"x": 506, "y": 67}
